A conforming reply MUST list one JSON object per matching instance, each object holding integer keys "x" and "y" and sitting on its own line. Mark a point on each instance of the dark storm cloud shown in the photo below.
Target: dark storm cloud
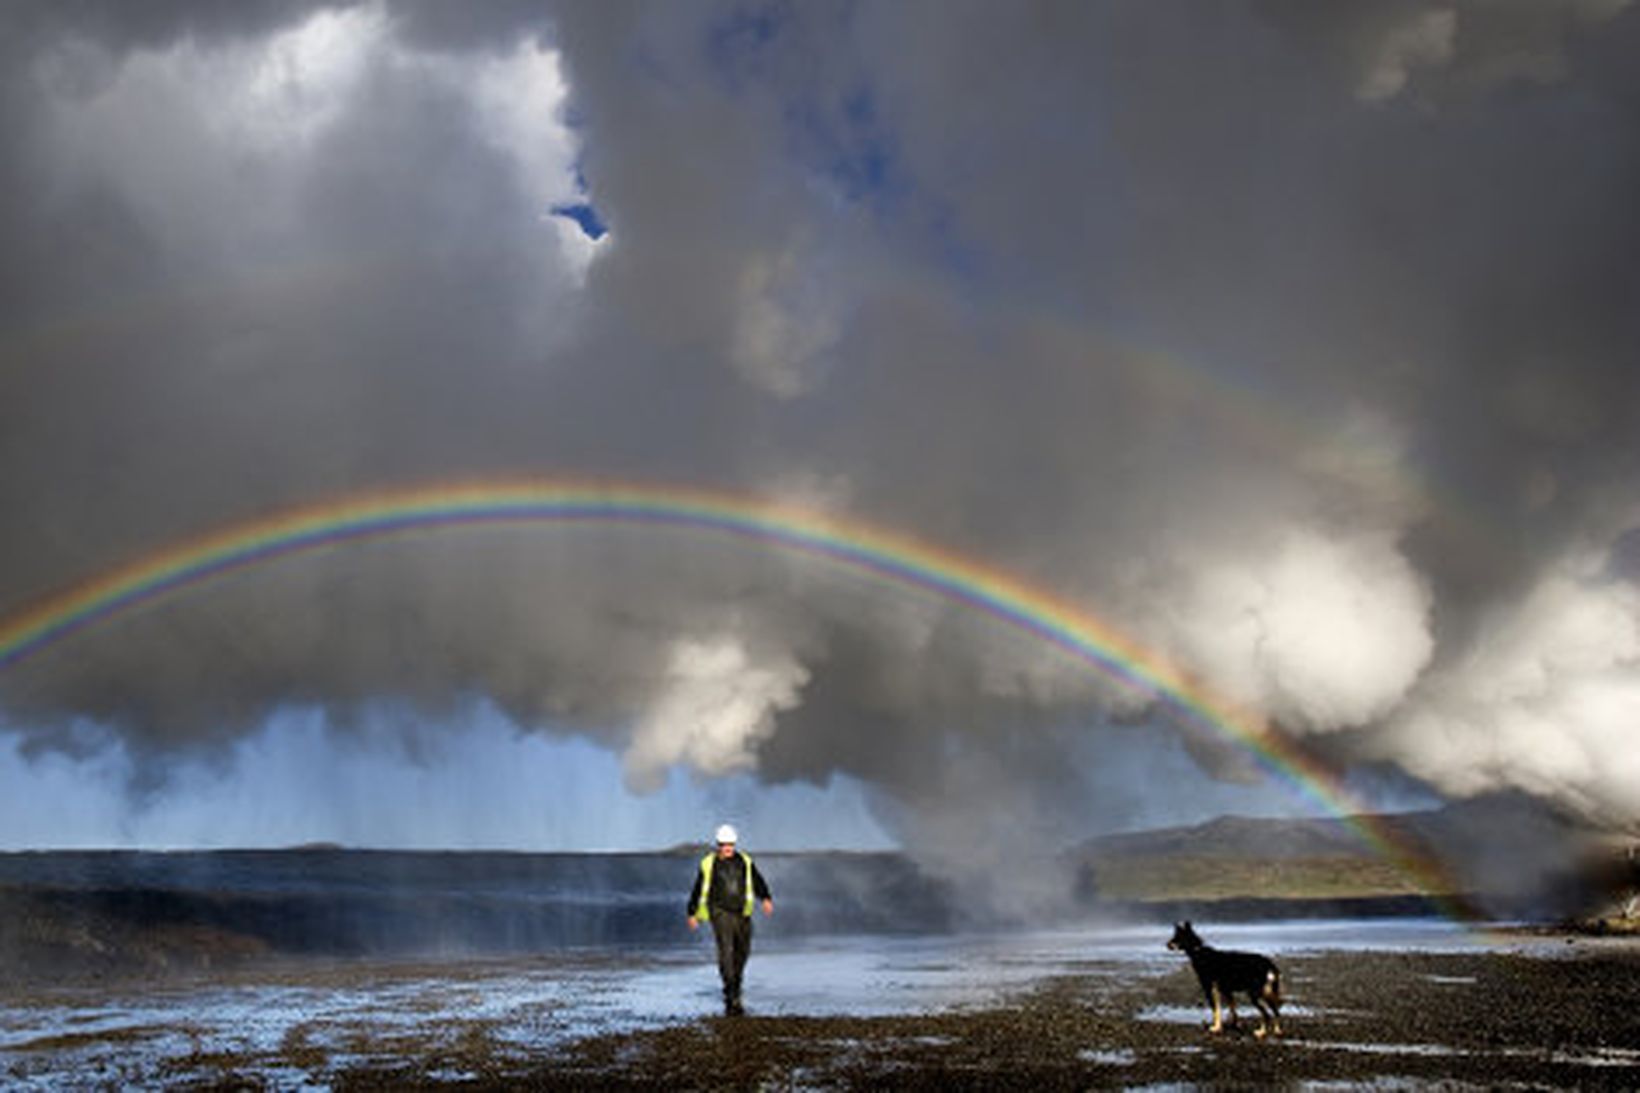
{"x": 1297, "y": 342}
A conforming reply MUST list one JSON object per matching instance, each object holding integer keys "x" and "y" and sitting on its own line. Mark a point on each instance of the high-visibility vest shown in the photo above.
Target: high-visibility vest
{"x": 702, "y": 912}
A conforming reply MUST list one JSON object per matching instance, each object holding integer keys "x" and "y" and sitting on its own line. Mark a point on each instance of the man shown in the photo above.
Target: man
{"x": 726, "y": 889}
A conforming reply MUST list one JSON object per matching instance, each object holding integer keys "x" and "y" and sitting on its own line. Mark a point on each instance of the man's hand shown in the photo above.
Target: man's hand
{"x": 694, "y": 923}
{"x": 768, "y": 907}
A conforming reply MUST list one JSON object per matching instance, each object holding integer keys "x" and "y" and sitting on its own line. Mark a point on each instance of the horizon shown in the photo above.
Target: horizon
{"x": 1344, "y": 823}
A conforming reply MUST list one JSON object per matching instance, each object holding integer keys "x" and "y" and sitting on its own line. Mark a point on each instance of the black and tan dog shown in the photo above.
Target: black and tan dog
{"x": 1222, "y": 973}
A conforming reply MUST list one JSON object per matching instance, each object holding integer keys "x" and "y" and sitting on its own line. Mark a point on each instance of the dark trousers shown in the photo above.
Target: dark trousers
{"x": 733, "y": 931}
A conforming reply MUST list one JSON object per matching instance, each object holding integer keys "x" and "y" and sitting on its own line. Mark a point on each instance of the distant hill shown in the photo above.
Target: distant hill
{"x": 1503, "y": 851}
{"x": 1234, "y": 837}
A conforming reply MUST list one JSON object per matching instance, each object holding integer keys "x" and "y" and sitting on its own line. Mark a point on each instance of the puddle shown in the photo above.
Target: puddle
{"x": 1599, "y": 1056}
{"x": 1201, "y": 1015}
{"x": 1575, "y": 1056}
{"x": 1378, "y": 1049}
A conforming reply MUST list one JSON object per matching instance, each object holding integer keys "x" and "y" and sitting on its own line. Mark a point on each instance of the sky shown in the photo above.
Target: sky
{"x": 1297, "y": 344}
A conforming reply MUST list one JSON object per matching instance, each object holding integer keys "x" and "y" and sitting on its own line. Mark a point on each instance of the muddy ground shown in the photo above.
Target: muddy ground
{"x": 1565, "y": 1015}
{"x": 1452, "y": 1020}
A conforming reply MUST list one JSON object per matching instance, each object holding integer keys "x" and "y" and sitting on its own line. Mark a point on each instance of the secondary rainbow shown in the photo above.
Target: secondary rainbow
{"x": 859, "y": 546}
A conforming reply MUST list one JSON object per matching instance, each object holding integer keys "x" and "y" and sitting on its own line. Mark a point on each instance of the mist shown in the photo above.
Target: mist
{"x": 1295, "y": 343}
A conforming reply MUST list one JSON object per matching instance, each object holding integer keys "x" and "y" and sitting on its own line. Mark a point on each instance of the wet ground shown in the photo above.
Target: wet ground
{"x": 1386, "y": 1004}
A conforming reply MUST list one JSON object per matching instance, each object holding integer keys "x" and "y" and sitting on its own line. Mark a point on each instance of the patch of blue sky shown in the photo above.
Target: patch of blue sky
{"x": 836, "y": 136}
{"x": 846, "y": 144}
{"x": 582, "y": 212}
{"x": 585, "y": 215}
{"x": 851, "y": 148}
{"x": 839, "y": 135}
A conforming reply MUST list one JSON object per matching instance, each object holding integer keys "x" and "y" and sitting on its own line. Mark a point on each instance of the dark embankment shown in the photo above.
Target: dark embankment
{"x": 114, "y": 913}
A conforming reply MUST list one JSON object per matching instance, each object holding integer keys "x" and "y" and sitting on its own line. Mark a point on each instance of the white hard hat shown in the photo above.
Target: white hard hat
{"x": 726, "y": 834}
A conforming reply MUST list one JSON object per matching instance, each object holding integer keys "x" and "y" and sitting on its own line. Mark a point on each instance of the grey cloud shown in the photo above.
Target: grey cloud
{"x": 1305, "y": 388}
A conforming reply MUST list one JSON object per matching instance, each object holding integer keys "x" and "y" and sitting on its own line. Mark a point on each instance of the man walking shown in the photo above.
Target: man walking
{"x": 726, "y": 889}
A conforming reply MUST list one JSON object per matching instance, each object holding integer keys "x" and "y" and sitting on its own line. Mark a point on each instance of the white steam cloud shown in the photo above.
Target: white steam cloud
{"x": 1322, "y": 633}
{"x": 1546, "y": 699}
{"x": 714, "y": 708}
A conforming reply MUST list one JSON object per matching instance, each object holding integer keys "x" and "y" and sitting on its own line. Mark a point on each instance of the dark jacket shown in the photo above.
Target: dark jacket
{"x": 729, "y": 885}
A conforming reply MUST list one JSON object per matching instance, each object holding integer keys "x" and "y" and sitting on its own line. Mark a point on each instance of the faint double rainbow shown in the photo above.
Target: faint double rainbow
{"x": 856, "y": 545}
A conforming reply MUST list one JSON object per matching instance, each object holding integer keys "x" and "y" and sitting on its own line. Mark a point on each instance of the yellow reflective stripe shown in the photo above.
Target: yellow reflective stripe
{"x": 702, "y": 912}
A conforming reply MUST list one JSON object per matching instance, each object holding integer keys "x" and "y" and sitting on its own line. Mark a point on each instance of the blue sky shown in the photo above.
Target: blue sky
{"x": 479, "y": 786}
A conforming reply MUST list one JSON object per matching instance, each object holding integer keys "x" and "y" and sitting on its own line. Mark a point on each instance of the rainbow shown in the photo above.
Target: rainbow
{"x": 856, "y": 545}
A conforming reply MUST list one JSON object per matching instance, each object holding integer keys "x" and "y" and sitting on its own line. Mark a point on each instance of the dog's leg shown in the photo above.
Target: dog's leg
{"x": 1263, "y": 1017}
{"x": 1218, "y": 1019}
{"x": 1272, "y": 995}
